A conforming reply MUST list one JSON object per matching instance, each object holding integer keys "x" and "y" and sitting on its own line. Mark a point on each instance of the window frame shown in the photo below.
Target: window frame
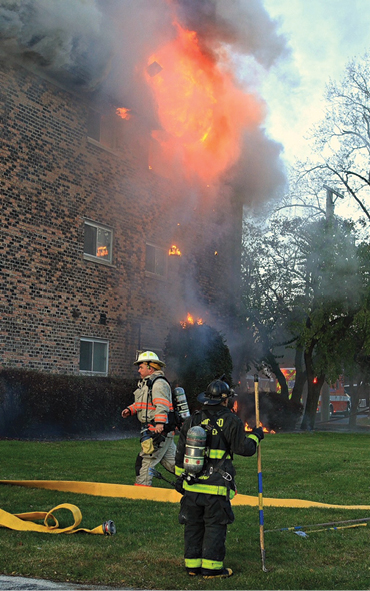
{"x": 103, "y": 124}
{"x": 151, "y": 273}
{"x": 91, "y": 372}
{"x": 94, "y": 258}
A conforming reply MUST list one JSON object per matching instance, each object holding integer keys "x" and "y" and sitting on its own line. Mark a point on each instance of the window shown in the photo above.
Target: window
{"x": 97, "y": 242}
{"x": 94, "y": 356}
{"x": 156, "y": 260}
{"x": 104, "y": 129}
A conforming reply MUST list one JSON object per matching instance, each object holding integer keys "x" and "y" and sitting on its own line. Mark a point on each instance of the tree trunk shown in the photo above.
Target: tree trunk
{"x": 300, "y": 376}
{"x": 314, "y": 385}
{"x": 354, "y": 393}
{"x": 279, "y": 375}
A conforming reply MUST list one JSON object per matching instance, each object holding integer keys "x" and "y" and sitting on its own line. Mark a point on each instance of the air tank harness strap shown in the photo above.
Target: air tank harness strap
{"x": 217, "y": 467}
{"x": 25, "y": 522}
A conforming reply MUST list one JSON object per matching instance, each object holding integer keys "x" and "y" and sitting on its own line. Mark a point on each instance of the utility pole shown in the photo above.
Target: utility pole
{"x": 325, "y": 390}
{"x": 330, "y": 201}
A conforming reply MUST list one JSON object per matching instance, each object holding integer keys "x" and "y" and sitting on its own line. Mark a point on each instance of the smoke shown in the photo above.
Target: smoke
{"x": 104, "y": 45}
{"x": 66, "y": 40}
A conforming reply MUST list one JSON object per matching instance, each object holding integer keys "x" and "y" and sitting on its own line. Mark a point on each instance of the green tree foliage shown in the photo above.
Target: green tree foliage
{"x": 306, "y": 288}
{"x": 196, "y": 354}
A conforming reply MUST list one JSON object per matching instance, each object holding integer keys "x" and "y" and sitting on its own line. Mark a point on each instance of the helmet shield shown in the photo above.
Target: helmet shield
{"x": 216, "y": 392}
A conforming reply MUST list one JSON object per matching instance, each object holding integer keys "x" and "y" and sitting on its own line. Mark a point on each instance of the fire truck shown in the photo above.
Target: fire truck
{"x": 340, "y": 401}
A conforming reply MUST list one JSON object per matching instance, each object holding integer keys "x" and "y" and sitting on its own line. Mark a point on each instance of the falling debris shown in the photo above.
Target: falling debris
{"x": 153, "y": 69}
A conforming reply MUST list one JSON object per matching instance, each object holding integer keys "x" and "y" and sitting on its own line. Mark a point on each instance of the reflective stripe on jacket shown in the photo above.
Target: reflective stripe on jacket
{"x": 152, "y": 408}
{"x": 216, "y": 479}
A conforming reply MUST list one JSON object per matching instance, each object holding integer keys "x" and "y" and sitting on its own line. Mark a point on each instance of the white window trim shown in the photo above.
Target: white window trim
{"x": 95, "y": 373}
{"x": 91, "y": 257}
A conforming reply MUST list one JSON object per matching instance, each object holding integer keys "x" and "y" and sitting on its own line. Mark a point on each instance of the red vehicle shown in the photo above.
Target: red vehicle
{"x": 340, "y": 402}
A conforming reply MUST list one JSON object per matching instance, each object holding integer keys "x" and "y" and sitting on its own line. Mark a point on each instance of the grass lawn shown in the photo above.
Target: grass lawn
{"x": 147, "y": 551}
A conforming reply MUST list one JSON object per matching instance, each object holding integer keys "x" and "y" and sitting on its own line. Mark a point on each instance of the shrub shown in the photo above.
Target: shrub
{"x": 37, "y": 404}
{"x": 196, "y": 355}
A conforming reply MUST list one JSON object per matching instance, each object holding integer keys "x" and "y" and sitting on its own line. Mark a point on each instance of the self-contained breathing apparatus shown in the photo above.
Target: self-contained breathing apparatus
{"x": 197, "y": 452}
{"x": 150, "y": 441}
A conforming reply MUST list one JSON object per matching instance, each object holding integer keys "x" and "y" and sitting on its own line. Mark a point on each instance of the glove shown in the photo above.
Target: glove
{"x": 258, "y": 432}
{"x": 157, "y": 440}
{"x": 179, "y": 485}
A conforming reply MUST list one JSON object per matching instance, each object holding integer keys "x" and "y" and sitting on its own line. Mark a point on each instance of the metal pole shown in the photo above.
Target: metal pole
{"x": 298, "y": 527}
{"x": 259, "y": 468}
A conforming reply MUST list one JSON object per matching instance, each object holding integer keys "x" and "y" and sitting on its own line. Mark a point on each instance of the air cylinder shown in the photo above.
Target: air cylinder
{"x": 181, "y": 403}
{"x": 194, "y": 450}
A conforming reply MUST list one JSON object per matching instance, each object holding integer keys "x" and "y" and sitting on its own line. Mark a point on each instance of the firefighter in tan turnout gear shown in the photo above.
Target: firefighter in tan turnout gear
{"x": 208, "y": 484}
{"x": 152, "y": 405}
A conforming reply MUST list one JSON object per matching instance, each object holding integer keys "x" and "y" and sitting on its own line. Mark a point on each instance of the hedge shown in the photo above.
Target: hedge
{"x": 41, "y": 405}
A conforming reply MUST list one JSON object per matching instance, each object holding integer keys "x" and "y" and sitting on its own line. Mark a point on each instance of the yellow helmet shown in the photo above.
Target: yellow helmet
{"x": 149, "y": 357}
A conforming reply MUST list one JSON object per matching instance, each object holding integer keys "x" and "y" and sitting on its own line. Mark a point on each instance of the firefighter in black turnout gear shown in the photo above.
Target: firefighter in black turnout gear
{"x": 205, "y": 506}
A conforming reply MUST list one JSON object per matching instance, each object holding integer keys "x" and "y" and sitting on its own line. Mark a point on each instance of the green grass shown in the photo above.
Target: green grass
{"x": 147, "y": 551}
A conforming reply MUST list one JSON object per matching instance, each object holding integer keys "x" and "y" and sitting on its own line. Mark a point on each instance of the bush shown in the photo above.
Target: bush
{"x": 36, "y": 404}
{"x": 196, "y": 355}
{"x": 276, "y": 412}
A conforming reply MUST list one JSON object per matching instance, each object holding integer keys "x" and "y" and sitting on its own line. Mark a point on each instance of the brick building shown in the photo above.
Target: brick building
{"x": 87, "y": 227}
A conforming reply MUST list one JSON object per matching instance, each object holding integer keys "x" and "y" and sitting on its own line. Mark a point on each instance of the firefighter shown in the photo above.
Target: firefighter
{"x": 205, "y": 506}
{"x": 153, "y": 405}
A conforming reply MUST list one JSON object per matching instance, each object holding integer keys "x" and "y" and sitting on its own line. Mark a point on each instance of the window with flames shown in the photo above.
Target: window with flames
{"x": 98, "y": 241}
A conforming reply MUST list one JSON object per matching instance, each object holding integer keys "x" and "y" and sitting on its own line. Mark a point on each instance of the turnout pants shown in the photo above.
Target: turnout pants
{"x": 205, "y": 518}
{"x": 165, "y": 455}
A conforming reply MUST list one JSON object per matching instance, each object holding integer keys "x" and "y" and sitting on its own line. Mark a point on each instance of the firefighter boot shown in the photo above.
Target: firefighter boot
{"x": 222, "y": 573}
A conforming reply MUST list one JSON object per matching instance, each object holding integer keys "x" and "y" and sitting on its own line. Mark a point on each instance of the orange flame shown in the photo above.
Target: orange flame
{"x": 248, "y": 428}
{"x": 123, "y": 113}
{"x": 190, "y": 320}
{"x": 102, "y": 251}
{"x": 202, "y": 112}
{"x": 174, "y": 251}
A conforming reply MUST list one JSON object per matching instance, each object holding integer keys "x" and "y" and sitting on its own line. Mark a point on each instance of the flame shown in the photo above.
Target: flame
{"x": 248, "y": 428}
{"x": 102, "y": 251}
{"x": 202, "y": 112}
{"x": 174, "y": 251}
{"x": 123, "y": 113}
{"x": 190, "y": 320}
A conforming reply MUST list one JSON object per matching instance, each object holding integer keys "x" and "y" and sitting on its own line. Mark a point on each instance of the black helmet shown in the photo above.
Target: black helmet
{"x": 216, "y": 392}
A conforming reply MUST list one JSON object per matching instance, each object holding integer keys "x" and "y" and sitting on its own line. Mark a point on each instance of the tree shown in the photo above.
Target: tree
{"x": 303, "y": 291}
{"x": 196, "y": 354}
{"x": 269, "y": 285}
{"x": 341, "y": 141}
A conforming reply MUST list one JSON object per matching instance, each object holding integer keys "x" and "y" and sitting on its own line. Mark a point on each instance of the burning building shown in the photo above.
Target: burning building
{"x": 126, "y": 160}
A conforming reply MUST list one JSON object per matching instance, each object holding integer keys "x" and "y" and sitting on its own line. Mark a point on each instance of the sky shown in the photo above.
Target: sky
{"x": 323, "y": 36}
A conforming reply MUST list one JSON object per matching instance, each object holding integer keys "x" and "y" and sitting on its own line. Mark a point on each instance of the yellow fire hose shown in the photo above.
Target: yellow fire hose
{"x": 152, "y": 493}
{"x": 25, "y": 522}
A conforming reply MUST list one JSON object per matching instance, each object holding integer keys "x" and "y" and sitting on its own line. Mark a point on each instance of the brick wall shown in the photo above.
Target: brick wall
{"x": 52, "y": 178}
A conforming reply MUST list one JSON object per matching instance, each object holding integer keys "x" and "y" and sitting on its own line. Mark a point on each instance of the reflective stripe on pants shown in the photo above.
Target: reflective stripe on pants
{"x": 205, "y": 518}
